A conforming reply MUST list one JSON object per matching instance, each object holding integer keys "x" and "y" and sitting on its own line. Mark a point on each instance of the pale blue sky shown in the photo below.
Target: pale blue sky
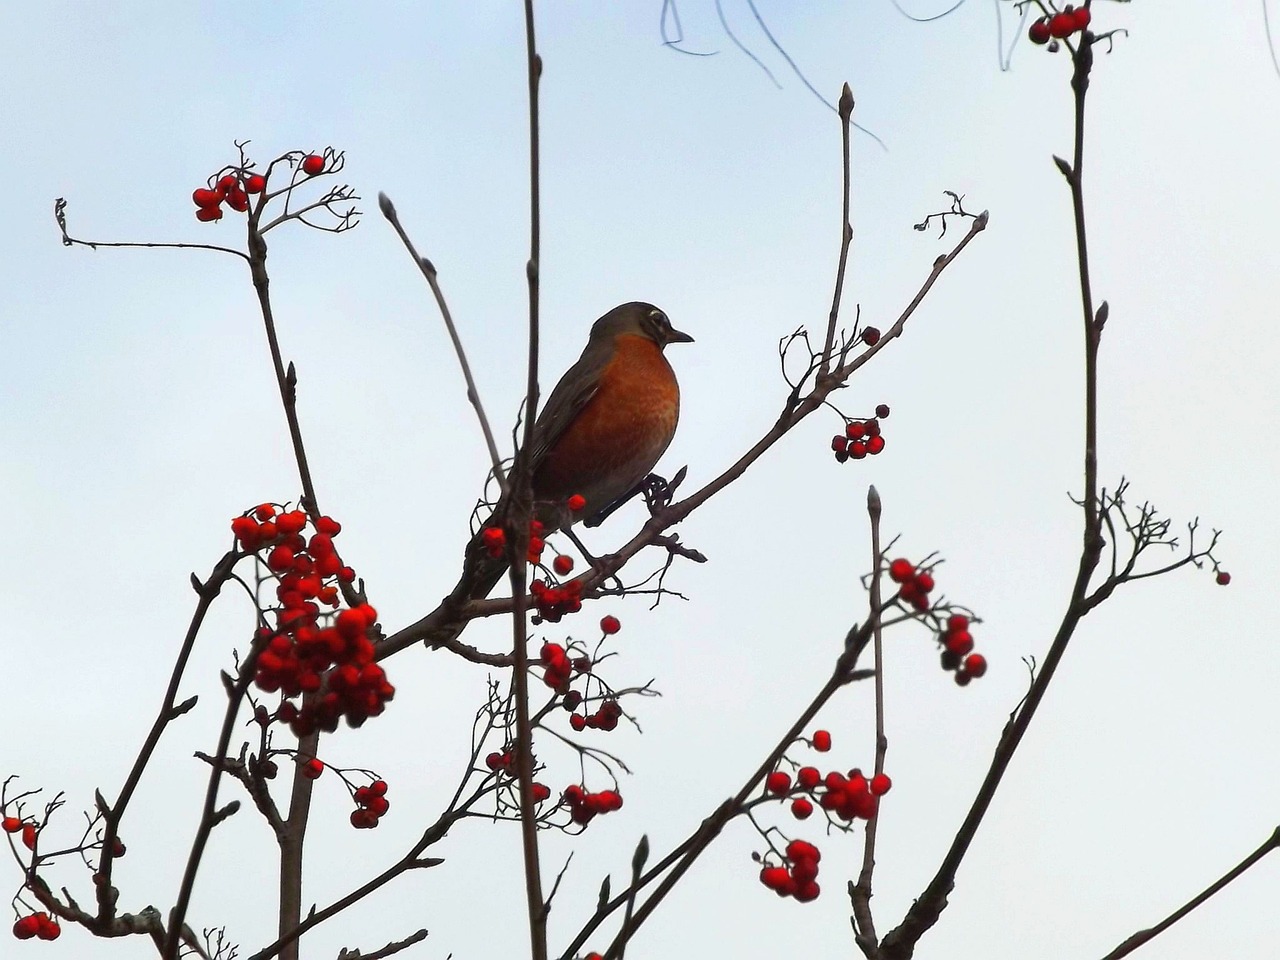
{"x": 139, "y": 415}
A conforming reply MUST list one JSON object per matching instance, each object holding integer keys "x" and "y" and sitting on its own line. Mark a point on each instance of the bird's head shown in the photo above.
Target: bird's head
{"x": 639, "y": 319}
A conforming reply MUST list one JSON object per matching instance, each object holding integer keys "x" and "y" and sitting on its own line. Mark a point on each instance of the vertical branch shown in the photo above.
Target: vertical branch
{"x": 899, "y": 943}
{"x": 210, "y": 815}
{"x": 286, "y": 380}
{"x": 1082, "y": 65}
{"x": 518, "y": 536}
{"x": 860, "y": 894}
{"x": 846, "y": 230}
{"x": 292, "y": 836}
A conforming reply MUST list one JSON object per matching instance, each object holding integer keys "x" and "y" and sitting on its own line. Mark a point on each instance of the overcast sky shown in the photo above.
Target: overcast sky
{"x": 140, "y": 415}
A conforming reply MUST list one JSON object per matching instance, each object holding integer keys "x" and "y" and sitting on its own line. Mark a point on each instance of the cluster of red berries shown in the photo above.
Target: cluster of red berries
{"x": 860, "y": 437}
{"x": 605, "y": 718}
{"x": 300, "y": 650}
{"x": 558, "y": 668}
{"x": 37, "y": 925}
{"x": 495, "y": 541}
{"x": 233, "y": 189}
{"x": 505, "y": 762}
{"x": 852, "y": 797}
{"x": 583, "y": 806}
{"x": 27, "y": 828}
{"x": 371, "y": 805}
{"x": 553, "y": 603}
{"x": 913, "y": 585}
{"x": 957, "y": 650}
{"x": 799, "y": 878}
{"x": 1059, "y": 26}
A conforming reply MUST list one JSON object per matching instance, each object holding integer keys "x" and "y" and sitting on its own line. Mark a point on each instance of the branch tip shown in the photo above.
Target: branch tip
{"x": 386, "y": 206}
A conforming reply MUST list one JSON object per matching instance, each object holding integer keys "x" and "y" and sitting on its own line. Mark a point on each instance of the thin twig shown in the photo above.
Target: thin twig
{"x": 210, "y": 815}
{"x": 860, "y": 893}
{"x": 846, "y": 228}
{"x": 473, "y": 394}
{"x": 1142, "y": 936}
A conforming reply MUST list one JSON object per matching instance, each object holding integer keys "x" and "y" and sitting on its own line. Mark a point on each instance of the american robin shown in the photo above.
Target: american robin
{"x": 603, "y": 427}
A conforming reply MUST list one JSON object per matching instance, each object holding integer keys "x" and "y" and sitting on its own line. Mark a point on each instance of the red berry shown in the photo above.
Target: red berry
{"x": 578, "y": 722}
{"x": 563, "y": 565}
{"x": 882, "y": 410}
{"x": 1082, "y": 17}
{"x": 209, "y": 214}
{"x": 924, "y": 582}
{"x": 808, "y": 777}
{"x": 1062, "y": 25}
{"x": 576, "y": 502}
{"x": 1223, "y": 578}
{"x": 255, "y": 183}
{"x": 775, "y": 878}
{"x": 870, "y": 336}
{"x": 821, "y": 741}
{"x": 228, "y": 182}
{"x": 803, "y": 850}
{"x": 855, "y": 430}
{"x": 975, "y": 664}
{"x": 1039, "y": 32}
{"x": 875, "y": 445}
{"x": 610, "y": 625}
{"x": 312, "y": 768}
{"x": 857, "y": 449}
{"x": 24, "y": 928}
{"x": 963, "y": 677}
{"x": 11, "y": 824}
{"x": 959, "y": 643}
{"x": 901, "y": 570}
{"x": 778, "y": 782}
{"x": 957, "y": 622}
{"x": 806, "y": 892}
{"x": 237, "y": 200}
{"x": 880, "y": 784}
{"x": 801, "y": 808}
{"x": 206, "y": 198}
{"x": 312, "y": 164}
{"x": 29, "y": 836}
{"x": 839, "y": 443}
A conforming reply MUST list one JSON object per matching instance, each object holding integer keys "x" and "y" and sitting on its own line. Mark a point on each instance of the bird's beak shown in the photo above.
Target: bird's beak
{"x": 675, "y": 336}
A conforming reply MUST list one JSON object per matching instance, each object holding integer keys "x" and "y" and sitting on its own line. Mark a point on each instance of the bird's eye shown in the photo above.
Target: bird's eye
{"x": 658, "y": 317}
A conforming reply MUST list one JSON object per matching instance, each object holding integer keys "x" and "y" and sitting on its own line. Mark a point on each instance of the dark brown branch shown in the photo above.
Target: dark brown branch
{"x": 860, "y": 893}
{"x": 846, "y": 228}
{"x": 1142, "y": 936}
{"x": 113, "y": 813}
{"x": 899, "y": 943}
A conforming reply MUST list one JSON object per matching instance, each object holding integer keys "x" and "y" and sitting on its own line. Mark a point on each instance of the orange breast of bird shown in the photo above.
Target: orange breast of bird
{"x": 621, "y": 432}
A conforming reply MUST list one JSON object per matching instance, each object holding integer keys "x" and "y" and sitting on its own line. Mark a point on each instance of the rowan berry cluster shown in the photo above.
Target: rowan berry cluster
{"x": 605, "y": 718}
{"x": 861, "y": 437}
{"x": 495, "y": 541}
{"x": 584, "y": 806}
{"x": 371, "y": 805}
{"x": 848, "y": 797}
{"x": 37, "y": 925}
{"x": 913, "y": 585}
{"x": 235, "y": 186}
{"x": 798, "y": 877}
{"x": 553, "y": 603}
{"x": 1060, "y": 25}
{"x": 957, "y": 650}
{"x": 310, "y": 651}
{"x": 233, "y": 189}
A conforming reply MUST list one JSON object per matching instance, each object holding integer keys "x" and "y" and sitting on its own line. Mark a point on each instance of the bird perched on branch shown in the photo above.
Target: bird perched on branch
{"x": 602, "y": 430}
